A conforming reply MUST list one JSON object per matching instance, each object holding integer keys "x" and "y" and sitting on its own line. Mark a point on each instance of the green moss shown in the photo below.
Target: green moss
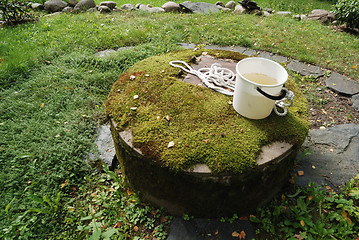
{"x": 203, "y": 124}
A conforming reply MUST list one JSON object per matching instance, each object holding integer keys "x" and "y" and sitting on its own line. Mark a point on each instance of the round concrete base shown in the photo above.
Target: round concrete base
{"x": 198, "y": 190}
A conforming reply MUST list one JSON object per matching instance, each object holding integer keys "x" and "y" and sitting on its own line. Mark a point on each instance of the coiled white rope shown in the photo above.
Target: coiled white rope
{"x": 221, "y": 79}
{"x": 217, "y": 78}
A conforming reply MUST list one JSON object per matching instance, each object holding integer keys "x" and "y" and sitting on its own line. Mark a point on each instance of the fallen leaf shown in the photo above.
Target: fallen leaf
{"x": 171, "y": 144}
{"x": 42, "y": 105}
{"x": 297, "y": 236}
{"x": 117, "y": 225}
{"x": 168, "y": 118}
{"x": 242, "y": 235}
{"x": 235, "y": 234}
{"x": 302, "y": 223}
{"x": 300, "y": 173}
{"x": 216, "y": 232}
{"x": 129, "y": 193}
{"x": 345, "y": 215}
{"x": 163, "y": 220}
{"x": 65, "y": 183}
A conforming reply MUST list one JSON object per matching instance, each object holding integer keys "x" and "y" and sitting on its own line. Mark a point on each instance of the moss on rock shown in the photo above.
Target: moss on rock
{"x": 202, "y": 123}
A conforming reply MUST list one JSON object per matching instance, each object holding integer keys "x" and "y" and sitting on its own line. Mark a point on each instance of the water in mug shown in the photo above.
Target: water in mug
{"x": 260, "y": 78}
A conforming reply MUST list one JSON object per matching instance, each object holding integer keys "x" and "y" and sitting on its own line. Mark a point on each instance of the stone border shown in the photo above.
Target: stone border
{"x": 74, "y": 6}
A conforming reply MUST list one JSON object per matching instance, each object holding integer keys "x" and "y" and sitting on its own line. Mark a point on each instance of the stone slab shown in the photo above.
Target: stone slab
{"x": 201, "y": 229}
{"x": 333, "y": 158}
{"x": 342, "y": 84}
{"x": 274, "y": 57}
{"x": 305, "y": 69}
{"x": 105, "y": 146}
{"x": 355, "y": 101}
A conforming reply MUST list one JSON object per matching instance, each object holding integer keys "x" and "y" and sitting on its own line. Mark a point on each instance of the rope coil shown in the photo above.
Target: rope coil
{"x": 223, "y": 80}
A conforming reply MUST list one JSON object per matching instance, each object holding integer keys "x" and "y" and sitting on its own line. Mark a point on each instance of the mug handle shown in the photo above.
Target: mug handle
{"x": 283, "y": 93}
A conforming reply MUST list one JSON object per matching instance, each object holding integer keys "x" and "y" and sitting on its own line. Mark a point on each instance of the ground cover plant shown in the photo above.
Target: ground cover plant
{"x": 53, "y": 86}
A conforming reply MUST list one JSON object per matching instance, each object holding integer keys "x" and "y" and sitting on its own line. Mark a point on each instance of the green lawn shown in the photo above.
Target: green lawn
{"x": 53, "y": 87}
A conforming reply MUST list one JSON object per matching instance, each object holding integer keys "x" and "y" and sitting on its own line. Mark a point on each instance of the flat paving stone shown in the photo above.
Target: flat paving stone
{"x": 342, "y": 84}
{"x": 333, "y": 158}
{"x": 305, "y": 69}
{"x": 273, "y": 57}
{"x": 355, "y": 101}
{"x": 202, "y": 229}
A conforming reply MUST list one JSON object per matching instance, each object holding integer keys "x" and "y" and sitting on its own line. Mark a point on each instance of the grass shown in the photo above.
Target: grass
{"x": 53, "y": 87}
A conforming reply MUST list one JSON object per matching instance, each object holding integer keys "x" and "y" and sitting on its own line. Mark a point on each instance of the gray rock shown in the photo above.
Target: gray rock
{"x": 105, "y": 146}
{"x": 68, "y": 9}
{"x": 104, "y": 9}
{"x": 171, "y": 7}
{"x": 37, "y": 6}
{"x": 231, "y": 4}
{"x": 333, "y": 158}
{"x": 143, "y": 7}
{"x": 109, "y": 4}
{"x": 283, "y": 13}
{"x": 355, "y": 101}
{"x": 342, "y": 84}
{"x": 84, "y": 5}
{"x": 105, "y": 53}
{"x": 72, "y": 3}
{"x": 199, "y": 7}
{"x": 92, "y": 10}
{"x": 239, "y": 9}
{"x": 128, "y": 7}
{"x": 300, "y": 16}
{"x": 305, "y": 69}
{"x": 322, "y": 15}
{"x": 266, "y": 14}
{"x": 54, "y": 5}
{"x": 224, "y": 9}
{"x": 201, "y": 229}
{"x": 219, "y": 3}
{"x": 156, "y": 10}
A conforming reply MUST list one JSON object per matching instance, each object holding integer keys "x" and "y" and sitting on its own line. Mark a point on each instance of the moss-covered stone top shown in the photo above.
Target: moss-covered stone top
{"x": 159, "y": 108}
